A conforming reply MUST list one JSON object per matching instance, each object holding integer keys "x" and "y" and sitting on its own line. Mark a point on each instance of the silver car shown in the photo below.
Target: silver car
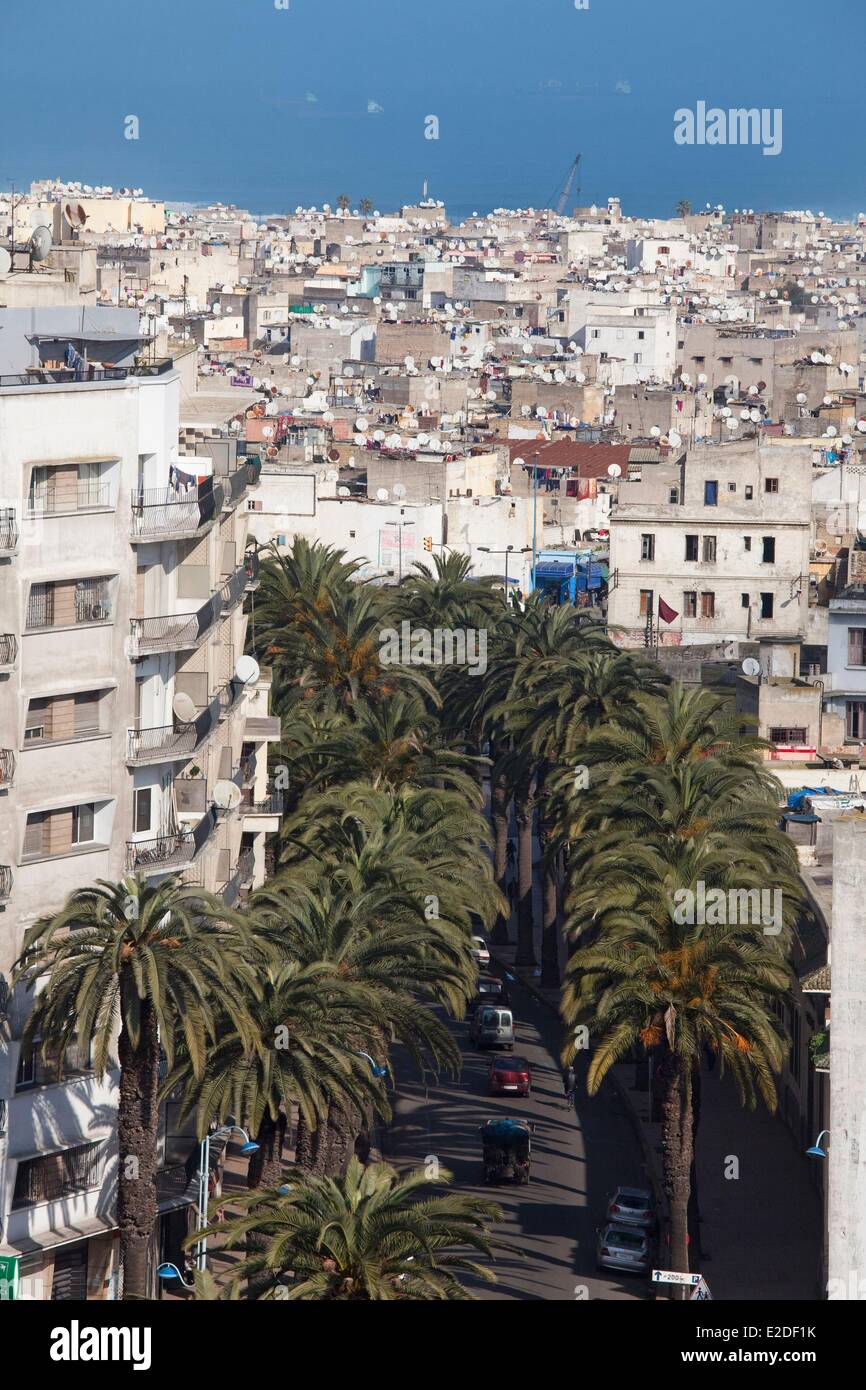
{"x": 624, "y": 1247}
{"x": 632, "y": 1206}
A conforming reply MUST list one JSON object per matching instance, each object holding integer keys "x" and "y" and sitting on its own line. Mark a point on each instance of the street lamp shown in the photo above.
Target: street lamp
{"x": 816, "y": 1151}
{"x": 374, "y": 1066}
{"x": 169, "y": 1271}
{"x": 400, "y": 525}
{"x": 249, "y": 1146}
{"x": 508, "y": 551}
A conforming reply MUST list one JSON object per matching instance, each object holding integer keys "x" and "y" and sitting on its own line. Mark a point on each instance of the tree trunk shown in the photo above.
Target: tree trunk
{"x": 549, "y": 895}
{"x": 677, "y": 1158}
{"x": 137, "y": 1142}
{"x": 525, "y": 926}
{"x": 499, "y": 819}
{"x": 694, "y": 1202}
{"x": 343, "y": 1128}
{"x": 266, "y": 1164}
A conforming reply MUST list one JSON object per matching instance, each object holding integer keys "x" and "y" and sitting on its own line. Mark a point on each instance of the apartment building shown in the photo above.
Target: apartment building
{"x": 722, "y": 539}
{"x": 133, "y": 738}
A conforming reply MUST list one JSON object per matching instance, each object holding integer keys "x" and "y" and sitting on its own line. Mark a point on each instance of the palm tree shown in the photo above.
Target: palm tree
{"x": 684, "y": 207}
{"x": 304, "y": 1054}
{"x": 365, "y": 207}
{"x": 368, "y": 1236}
{"x": 344, "y": 202}
{"x": 154, "y": 959}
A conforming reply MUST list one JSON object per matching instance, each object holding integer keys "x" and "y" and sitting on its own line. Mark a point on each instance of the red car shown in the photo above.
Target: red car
{"x": 509, "y": 1076}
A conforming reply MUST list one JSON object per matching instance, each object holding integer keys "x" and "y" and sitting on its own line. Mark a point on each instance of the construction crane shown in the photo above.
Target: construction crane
{"x": 568, "y": 187}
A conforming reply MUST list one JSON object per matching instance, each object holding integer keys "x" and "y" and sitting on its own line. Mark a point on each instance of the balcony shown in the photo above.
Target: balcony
{"x": 5, "y": 882}
{"x": 8, "y": 652}
{"x": 254, "y": 471}
{"x": 271, "y": 806}
{"x": 161, "y": 745}
{"x": 164, "y": 514}
{"x": 161, "y": 855}
{"x": 235, "y": 485}
{"x": 175, "y": 632}
{"x": 8, "y": 533}
{"x": 62, "y": 376}
{"x": 7, "y": 769}
{"x": 242, "y": 877}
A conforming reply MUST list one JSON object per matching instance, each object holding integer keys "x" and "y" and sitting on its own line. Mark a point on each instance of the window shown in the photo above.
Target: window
{"x": 641, "y": 334}
{"x": 745, "y": 601}
{"x": 691, "y": 547}
{"x": 83, "y": 822}
{"x": 771, "y": 484}
{"x": 690, "y": 603}
{"x": 52, "y": 1177}
{"x": 750, "y": 492}
{"x": 708, "y": 605}
{"x": 709, "y": 550}
{"x": 711, "y": 492}
{"x": 142, "y": 818}
{"x": 87, "y": 712}
{"x": 647, "y": 547}
{"x": 674, "y": 495}
{"x": 855, "y": 719}
{"x": 766, "y": 605}
{"x": 39, "y": 1066}
{"x": 732, "y": 487}
{"x": 637, "y": 359}
{"x": 768, "y": 550}
{"x": 36, "y": 833}
{"x": 35, "y": 723}
{"x": 596, "y": 333}
{"x": 857, "y": 646}
{"x": 794, "y": 735}
{"x": 747, "y": 542}
{"x": 646, "y": 602}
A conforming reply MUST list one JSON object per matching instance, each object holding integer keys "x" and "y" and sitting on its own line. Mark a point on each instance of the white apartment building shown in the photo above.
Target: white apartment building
{"x": 632, "y": 344}
{"x": 132, "y": 739}
{"x": 723, "y": 539}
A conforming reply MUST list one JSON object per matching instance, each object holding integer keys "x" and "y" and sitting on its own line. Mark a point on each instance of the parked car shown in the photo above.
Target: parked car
{"x": 624, "y": 1247}
{"x": 480, "y": 953}
{"x": 489, "y": 990}
{"x": 509, "y": 1076}
{"x": 632, "y": 1206}
{"x": 492, "y": 1027}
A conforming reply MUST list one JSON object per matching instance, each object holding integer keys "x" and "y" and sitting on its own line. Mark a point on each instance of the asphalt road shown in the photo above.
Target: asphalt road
{"x": 578, "y": 1157}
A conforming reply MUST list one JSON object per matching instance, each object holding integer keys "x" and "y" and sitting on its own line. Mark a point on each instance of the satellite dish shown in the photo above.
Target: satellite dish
{"x": 399, "y": 490}
{"x": 227, "y": 796}
{"x": 184, "y": 707}
{"x": 41, "y": 243}
{"x": 382, "y": 494}
{"x": 675, "y": 438}
{"x": 332, "y": 475}
{"x": 334, "y": 456}
{"x": 614, "y": 471}
{"x": 751, "y": 666}
{"x": 343, "y": 492}
{"x": 247, "y": 670}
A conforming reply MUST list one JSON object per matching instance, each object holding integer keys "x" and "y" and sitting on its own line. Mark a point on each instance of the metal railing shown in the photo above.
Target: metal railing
{"x": 229, "y": 696}
{"x": 8, "y": 649}
{"x": 164, "y": 511}
{"x": 46, "y": 501}
{"x": 271, "y": 806}
{"x": 254, "y": 471}
{"x": 234, "y": 589}
{"x": 92, "y": 605}
{"x": 176, "y": 631}
{"x": 7, "y": 768}
{"x": 8, "y": 530}
{"x": 161, "y": 854}
{"x": 238, "y": 482}
{"x": 5, "y": 882}
{"x": 63, "y": 376}
{"x": 252, "y": 568}
{"x": 160, "y": 744}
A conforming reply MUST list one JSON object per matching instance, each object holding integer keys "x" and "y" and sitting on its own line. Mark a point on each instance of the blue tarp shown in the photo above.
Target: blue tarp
{"x": 797, "y": 799}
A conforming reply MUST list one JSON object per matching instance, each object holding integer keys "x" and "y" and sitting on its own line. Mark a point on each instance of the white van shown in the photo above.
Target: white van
{"x": 492, "y": 1027}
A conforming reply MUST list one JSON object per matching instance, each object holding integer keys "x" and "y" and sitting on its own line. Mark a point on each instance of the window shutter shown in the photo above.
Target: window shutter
{"x": 87, "y": 712}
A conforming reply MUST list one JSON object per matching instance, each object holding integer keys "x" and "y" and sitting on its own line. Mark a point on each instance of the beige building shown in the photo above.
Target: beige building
{"x": 133, "y": 737}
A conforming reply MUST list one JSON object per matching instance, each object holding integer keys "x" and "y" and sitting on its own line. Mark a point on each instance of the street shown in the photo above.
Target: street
{"x": 577, "y": 1160}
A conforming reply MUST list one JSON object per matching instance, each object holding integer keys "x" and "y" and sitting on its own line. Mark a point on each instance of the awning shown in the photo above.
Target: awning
{"x": 63, "y": 1235}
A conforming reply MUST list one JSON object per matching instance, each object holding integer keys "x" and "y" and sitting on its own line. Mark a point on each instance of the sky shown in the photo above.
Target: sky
{"x": 271, "y": 108}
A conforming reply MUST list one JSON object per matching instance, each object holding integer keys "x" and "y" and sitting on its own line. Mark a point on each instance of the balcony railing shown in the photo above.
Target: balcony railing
{"x": 160, "y": 744}
{"x": 63, "y": 376}
{"x": 8, "y": 531}
{"x": 162, "y": 854}
{"x": 235, "y": 484}
{"x": 230, "y": 696}
{"x": 254, "y": 470}
{"x": 271, "y": 806}
{"x": 92, "y": 604}
{"x": 176, "y": 631}
{"x": 7, "y": 768}
{"x": 53, "y": 501}
{"x": 5, "y": 882}
{"x": 160, "y": 513}
{"x": 8, "y": 650}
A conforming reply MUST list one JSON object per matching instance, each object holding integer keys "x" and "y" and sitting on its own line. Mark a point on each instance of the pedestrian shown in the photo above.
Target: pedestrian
{"x": 569, "y": 1082}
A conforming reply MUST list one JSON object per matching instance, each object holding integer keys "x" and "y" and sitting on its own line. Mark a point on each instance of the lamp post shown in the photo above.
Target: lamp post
{"x": 249, "y": 1146}
{"x": 508, "y": 551}
{"x": 815, "y": 1150}
{"x": 400, "y": 525}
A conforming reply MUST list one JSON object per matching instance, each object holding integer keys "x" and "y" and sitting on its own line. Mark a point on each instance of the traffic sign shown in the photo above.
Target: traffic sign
{"x": 673, "y": 1276}
{"x": 701, "y": 1292}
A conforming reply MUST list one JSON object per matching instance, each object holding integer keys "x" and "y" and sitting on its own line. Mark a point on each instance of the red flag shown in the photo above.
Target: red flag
{"x": 666, "y": 613}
